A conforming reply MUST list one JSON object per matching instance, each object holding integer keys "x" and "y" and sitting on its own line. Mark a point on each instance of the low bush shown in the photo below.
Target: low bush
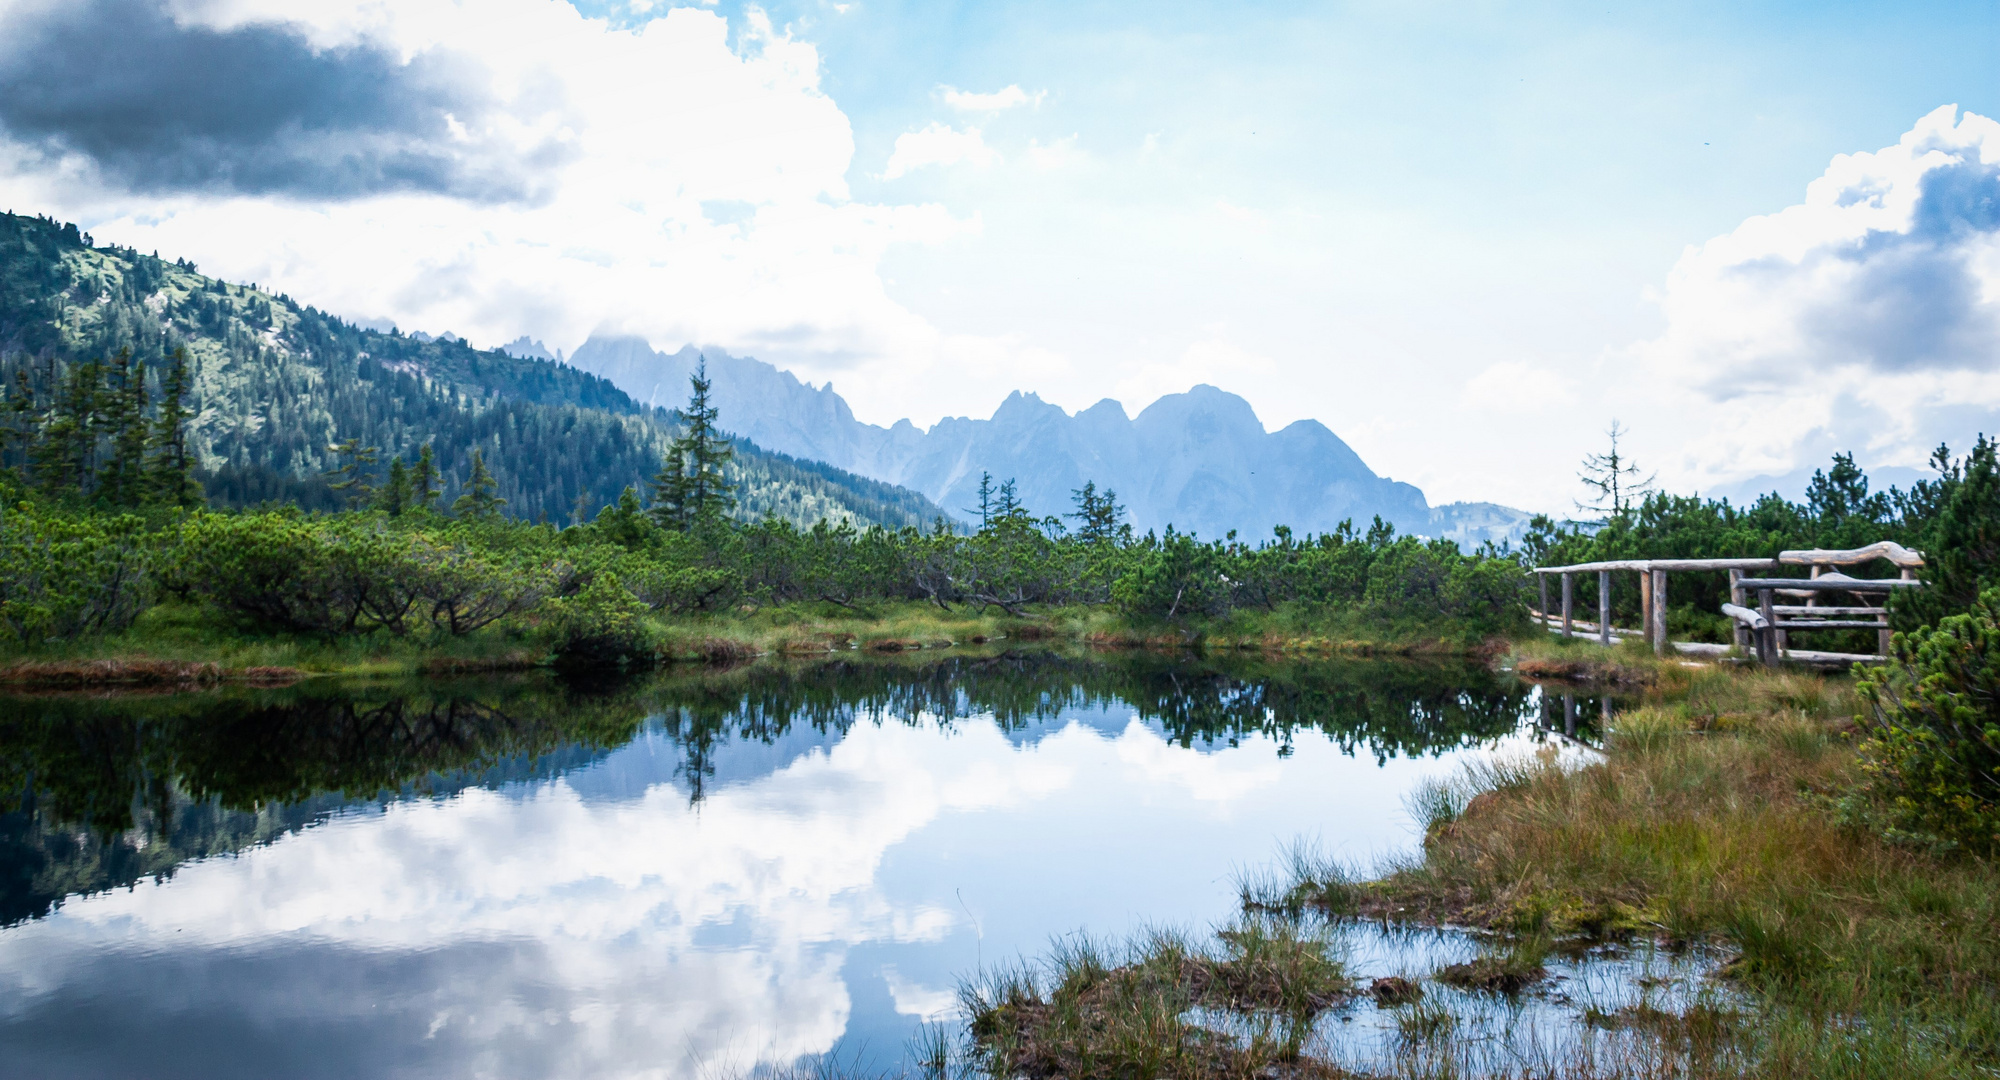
{"x": 1933, "y": 748}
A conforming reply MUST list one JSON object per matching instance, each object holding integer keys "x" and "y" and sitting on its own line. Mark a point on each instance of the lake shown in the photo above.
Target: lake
{"x": 699, "y": 874}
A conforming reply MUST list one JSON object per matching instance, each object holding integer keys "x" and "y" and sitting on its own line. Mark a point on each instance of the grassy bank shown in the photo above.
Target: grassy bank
{"x": 179, "y": 643}
{"x": 1719, "y": 819}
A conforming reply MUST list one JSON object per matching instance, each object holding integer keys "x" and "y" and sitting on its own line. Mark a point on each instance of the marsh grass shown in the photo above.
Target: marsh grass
{"x": 1161, "y": 1005}
{"x": 1710, "y": 821}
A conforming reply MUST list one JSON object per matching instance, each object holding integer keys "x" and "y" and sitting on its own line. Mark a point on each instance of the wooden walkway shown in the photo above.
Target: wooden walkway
{"x": 1766, "y": 629}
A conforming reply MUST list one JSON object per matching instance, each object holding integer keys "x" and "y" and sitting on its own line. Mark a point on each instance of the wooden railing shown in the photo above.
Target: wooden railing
{"x": 1768, "y": 626}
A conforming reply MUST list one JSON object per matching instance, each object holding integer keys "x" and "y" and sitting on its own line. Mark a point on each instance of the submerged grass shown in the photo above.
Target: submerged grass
{"x": 1712, "y": 819}
{"x": 1095, "y": 1013}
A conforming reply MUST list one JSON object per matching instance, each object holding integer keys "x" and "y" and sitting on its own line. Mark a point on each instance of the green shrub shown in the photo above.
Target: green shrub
{"x": 602, "y": 625}
{"x": 1933, "y": 747}
{"x": 65, "y": 576}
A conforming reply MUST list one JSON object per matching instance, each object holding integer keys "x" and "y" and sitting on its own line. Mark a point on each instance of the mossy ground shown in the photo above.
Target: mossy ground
{"x": 171, "y": 639}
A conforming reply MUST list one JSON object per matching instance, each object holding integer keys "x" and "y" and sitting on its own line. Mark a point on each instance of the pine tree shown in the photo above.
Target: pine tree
{"x": 424, "y": 484}
{"x": 985, "y": 508}
{"x": 1613, "y": 480}
{"x": 479, "y": 503}
{"x": 1097, "y": 516}
{"x": 122, "y": 415}
{"x": 64, "y": 458}
{"x": 397, "y": 493}
{"x": 171, "y": 476}
{"x": 690, "y": 488}
{"x": 354, "y": 480}
{"x": 18, "y": 425}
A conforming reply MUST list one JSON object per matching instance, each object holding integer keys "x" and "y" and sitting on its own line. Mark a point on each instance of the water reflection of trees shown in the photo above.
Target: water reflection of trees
{"x": 102, "y": 791}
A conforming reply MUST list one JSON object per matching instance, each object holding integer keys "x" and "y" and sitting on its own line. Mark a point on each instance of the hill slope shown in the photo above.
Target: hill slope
{"x": 276, "y": 383}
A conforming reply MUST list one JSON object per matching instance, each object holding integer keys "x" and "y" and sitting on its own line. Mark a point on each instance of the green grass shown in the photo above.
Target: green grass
{"x": 1094, "y": 1013}
{"x": 1712, "y": 820}
{"x": 179, "y": 633}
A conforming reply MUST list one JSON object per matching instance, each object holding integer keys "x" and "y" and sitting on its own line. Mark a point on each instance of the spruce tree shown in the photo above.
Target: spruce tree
{"x": 122, "y": 415}
{"x": 690, "y": 488}
{"x": 171, "y": 476}
{"x": 424, "y": 484}
{"x": 64, "y": 458}
{"x": 397, "y": 491}
{"x": 1097, "y": 516}
{"x": 354, "y": 481}
{"x": 478, "y": 503}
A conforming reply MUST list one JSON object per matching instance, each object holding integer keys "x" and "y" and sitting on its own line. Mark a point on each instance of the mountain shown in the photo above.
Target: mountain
{"x": 1201, "y": 461}
{"x": 277, "y": 382}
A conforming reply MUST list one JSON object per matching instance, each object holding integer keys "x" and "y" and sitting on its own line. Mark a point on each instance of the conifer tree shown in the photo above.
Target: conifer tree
{"x": 478, "y": 503}
{"x": 171, "y": 476}
{"x": 424, "y": 484}
{"x": 122, "y": 414}
{"x": 354, "y": 480}
{"x": 690, "y": 488}
{"x": 1613, "y": 480}
{"x": 985, "y": 508}
{"x": 397, "y": 491}
{"x": 65, "y": 456}
{"x": 1097, "y": 516}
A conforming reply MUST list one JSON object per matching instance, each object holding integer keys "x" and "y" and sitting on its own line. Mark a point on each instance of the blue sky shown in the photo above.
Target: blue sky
{"x": 1440, "y": 229}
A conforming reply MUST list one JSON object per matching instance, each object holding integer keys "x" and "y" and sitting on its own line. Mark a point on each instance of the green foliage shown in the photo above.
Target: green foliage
{"x": 691, "y": 488}
{"x": 65, "y": 576}
{"x": 478, "y": 503}
{"x": 602, "y": 625}
{"x": 1933, "y": 749}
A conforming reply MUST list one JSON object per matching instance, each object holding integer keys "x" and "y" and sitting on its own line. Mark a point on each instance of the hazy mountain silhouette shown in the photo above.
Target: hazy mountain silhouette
{"x": 1201, "y": 460}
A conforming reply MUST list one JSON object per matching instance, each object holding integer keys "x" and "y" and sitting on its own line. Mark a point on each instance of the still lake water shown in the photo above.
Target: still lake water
{"x": 697, "y": 875}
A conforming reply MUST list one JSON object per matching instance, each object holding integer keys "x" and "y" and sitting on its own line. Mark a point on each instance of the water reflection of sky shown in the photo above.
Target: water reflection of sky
{"x": 824, "y": 896}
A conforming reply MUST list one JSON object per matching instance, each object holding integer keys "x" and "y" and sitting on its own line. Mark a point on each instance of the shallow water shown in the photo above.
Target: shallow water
{"x": 700, "y": 875}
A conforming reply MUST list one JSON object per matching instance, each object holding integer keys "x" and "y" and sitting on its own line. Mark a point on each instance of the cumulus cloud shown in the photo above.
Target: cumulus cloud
{"x": 938, "y": 144}
{"x": 1866, "y": 317}
{"x": 516, "y": 169}
{"x": 1011, "y": 96}
{"x": 159, "y": 106}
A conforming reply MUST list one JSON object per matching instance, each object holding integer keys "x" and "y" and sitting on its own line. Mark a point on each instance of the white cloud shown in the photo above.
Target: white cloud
{"x": 938, "y": 144}
{"x": 1214, "y": 360}
{"x": 1865, "y": 318}
{"x": 1514, "y": 384}
{"x": 1058, "y": 154}
{"x": 658, "y": 120}
{"x": 1008, "y": 98}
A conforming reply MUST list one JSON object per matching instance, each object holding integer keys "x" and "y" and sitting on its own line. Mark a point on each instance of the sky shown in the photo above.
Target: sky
{"x": 1466, "y": 237}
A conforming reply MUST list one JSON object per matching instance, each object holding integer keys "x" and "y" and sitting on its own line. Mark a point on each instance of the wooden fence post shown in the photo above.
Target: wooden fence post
{"x": 1659, "y": 612}
{"x": 1568, "y": 599}
{"x": 1774, "y": 645}
{"x": 1604, "y": 607}
{"x": 1646, "y": 605}
{"x": 1543, "y": 581}
{"x": 1742, "y": 632}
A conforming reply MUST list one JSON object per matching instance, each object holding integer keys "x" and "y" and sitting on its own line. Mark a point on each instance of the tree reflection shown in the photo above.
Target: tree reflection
{"x": 99, "y": 791}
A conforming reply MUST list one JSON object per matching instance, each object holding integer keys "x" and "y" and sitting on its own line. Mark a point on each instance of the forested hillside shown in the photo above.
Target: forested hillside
{"x": 276, "y": 384}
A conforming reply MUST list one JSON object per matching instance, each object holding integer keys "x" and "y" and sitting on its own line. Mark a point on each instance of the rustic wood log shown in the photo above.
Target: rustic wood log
{"x": 1663, "y": 564}
{"x": 1796, "y": 625}
{"x": 1604, "y": 607}
{"x": 1739, "y": 632}
{"x": 1800, "y": 609}
{"x": 1646, "y": 605}
{"x": 1768, "y": 646}
{"x": 1832, "y": 583}
{"x": 1569, "y": 599}
{"x": 1745, "y": 617}
{"x": 1895, "y": 553}
{"x": 1542, "y": 612}
{"x": 1659, "y": 612}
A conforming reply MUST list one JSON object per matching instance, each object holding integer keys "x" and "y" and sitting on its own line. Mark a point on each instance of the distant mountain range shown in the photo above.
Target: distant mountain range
{"x": 1200, "y": 461}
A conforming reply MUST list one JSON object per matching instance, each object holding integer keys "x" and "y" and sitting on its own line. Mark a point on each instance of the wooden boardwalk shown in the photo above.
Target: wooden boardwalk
{"x": 1766, "y": 628}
